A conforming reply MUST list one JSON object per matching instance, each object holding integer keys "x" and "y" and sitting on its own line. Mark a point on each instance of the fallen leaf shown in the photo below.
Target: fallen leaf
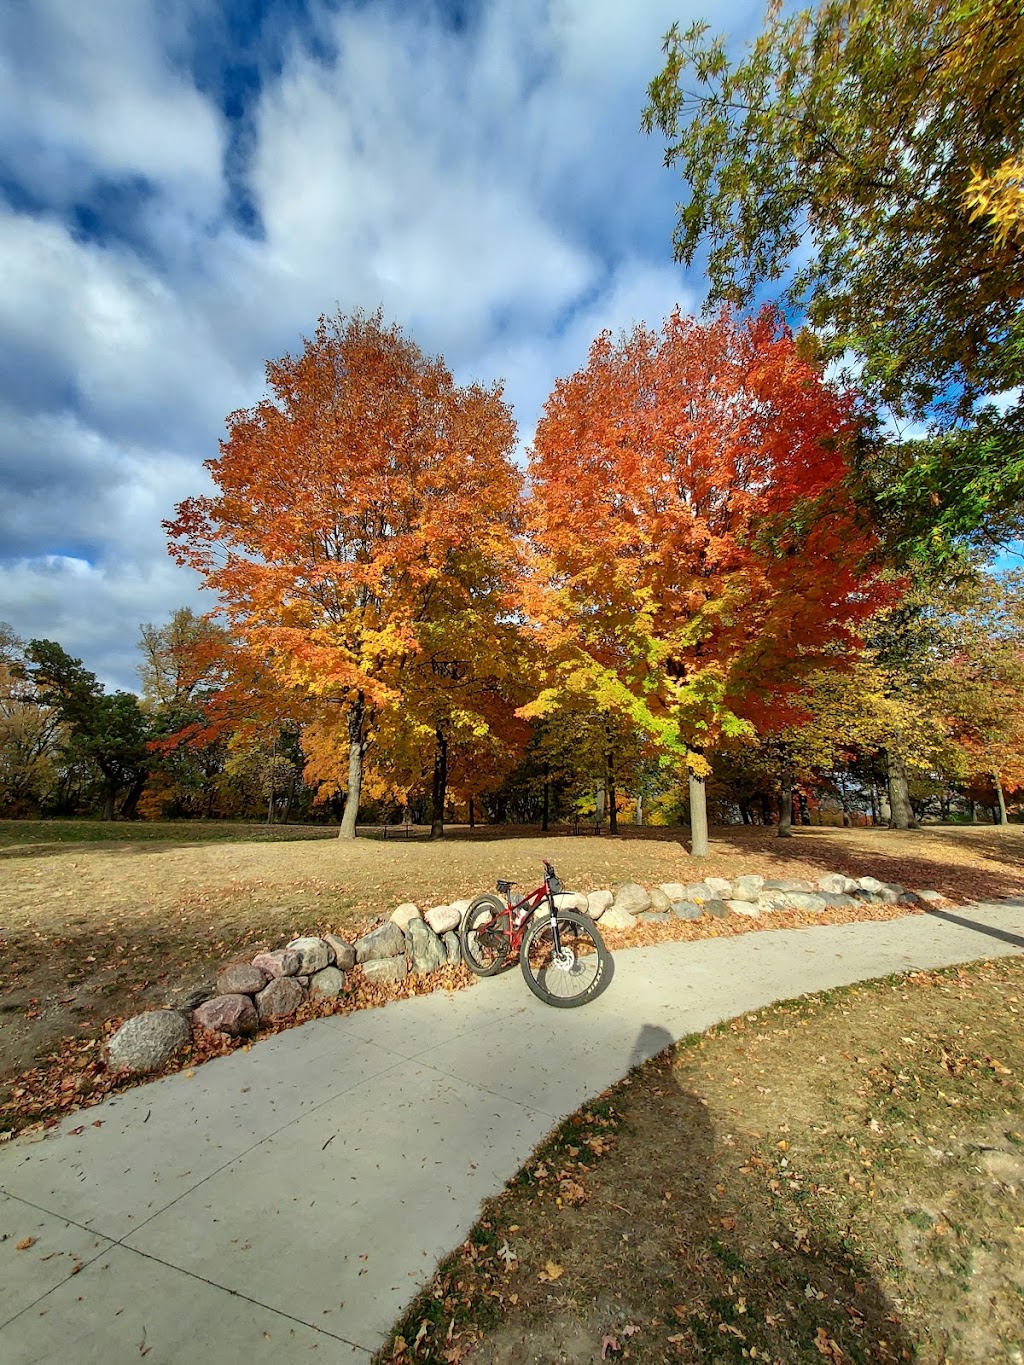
{"x": 25, "y": 1243}
{"x": 552, "y": 1271}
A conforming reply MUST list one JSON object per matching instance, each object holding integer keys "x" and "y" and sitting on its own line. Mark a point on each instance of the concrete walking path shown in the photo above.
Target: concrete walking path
{"x": 297, "y": 1195}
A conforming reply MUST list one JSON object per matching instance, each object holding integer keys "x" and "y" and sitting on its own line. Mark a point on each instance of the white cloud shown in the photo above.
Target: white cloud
{"x": 89, "y": 90}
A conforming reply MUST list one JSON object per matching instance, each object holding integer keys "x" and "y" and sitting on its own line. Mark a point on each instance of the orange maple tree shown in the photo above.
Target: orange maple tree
{"x": 698, "y": 550}
{"x": 366, "y": 513}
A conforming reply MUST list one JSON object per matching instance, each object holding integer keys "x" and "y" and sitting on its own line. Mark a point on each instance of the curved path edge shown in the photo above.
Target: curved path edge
{"x": 300, "y": 1193}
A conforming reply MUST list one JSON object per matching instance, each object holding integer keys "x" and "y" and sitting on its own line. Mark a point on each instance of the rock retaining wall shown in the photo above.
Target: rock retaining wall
{"x": 275, "y": 984}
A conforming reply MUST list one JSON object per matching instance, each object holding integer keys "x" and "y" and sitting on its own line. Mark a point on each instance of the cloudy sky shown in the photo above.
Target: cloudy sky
{"x": 186, "y": 185}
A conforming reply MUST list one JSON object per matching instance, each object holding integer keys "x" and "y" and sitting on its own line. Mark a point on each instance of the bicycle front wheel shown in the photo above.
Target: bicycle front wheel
{"x": 483, "y": 935}
{"x": 573, "y": 975}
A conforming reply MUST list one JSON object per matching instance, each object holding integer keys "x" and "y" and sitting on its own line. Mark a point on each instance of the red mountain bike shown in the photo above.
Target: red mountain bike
{"x": 562, "y": 955}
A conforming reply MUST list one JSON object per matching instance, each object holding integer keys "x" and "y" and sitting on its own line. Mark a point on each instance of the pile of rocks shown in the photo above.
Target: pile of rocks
{"x": 274, "y": 984}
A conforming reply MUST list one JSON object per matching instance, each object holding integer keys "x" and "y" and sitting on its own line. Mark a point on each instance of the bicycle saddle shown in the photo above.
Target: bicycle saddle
{"x": 504, "y": 887}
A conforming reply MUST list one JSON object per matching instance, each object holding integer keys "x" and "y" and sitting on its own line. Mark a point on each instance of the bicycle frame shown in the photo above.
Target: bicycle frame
{"x": 517, "y": 916}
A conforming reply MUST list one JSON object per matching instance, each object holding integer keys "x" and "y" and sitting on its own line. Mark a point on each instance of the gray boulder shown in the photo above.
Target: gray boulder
{"x": 280, "y": 999}
{"x": 747, "y": 887}
{"x": 675, "y": 891}
{"x": 234, "y": 1015}
{"x": 281, "y": 962}
{"x": 686, "y": 909}
{"x": 615, "y": 917}
{"x": 329, "y": 981}
{"x": 426, "y": 951}
{"x": 631, "y": 897}
{"x": 387, "y": 941}
{"x": 659, "y": 900}
{"x": 838, "y": 900}
{"x": 386, "y": 970}
{"x": 452, "y": 947}
{"x": 738, "y": 907}
{"x": 149, "y": 1040}
{"x": 870, "y": 884}
{"x": 696, "y": 891}
{"x": 788, "y": 884}
{"x": 655, "y": 916}
{"x": 716, "y": 908}
{"x": 836, "y": 883}
{"x": 240, "y": 979}
{"x": 314, "y": 953}
{"x": 721, "y": 886}
{"x": 344, "y": 953}
{"x": 808, "y": 901}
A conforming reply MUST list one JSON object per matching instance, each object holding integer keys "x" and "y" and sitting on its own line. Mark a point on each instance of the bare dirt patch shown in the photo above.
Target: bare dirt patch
{"x": 95, "y": 931}
{"x": 839, "y": 1179}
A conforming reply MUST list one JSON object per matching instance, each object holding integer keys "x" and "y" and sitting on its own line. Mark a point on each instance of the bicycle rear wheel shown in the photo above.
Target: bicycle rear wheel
{"x": 576, "y": 974}
{"x": 483, "y": 935}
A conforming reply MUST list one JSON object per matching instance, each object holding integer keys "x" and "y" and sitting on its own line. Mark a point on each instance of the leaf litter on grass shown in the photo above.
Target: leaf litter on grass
{"x": 833, "y": 1178}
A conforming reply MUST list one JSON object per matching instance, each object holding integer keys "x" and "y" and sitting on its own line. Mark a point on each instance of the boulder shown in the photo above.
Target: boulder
{"x": 387, "y": 941}
{"x": 405, "y": 912}
{"x": 870, "y": 884}
{"x": 747, "y": 887}
{"x": 572, "y": 900}
{"x": 788, "y": 884}
{"x": 615, "y": 917}
{"x": 686, "y": 910}
{"x": 314, "y": 953}
{"x": 771, "y": 899}
{"x": 149, "y": 1040}
{"x": 836, "y": 883}
{"x": 280, "y": 999}
{"x": 675, "y": 891}
{"x": 344, "y": 953}
{"x": 655, "y": 916}
{"x": 452, "y": 947}
{"x": 460, "y": 907}
{"x": 632, "y": 898}
{"x": 426, "y": 951}
{"x": 932, "y": 897}
{"x": 386, "y": 970}
{"x": 281, "y": 962}
{"x": 739, "y": 907}
{"x": 329, "y": 981}
{"x": 598, "y": 902}
{"x": 716, "y": 907}
{"x": 890, "y": 895}
{"x": 240, "y": 979}
{"x": 234, "y": 1015}
{"x": 720, "y": 886}
{"x": 838, "y": 900}
{"x": 659, "y": 901}
{"x": 808, "y": 901}
{"x": 443, "y": 918}
{"x": 696, "y": 891}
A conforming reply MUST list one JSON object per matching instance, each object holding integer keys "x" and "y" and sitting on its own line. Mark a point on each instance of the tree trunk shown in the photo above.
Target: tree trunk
{"x": 547, "y": 801}
{"x": 785, "y": 829}
{"x": 598, "y": 803}
{"x": 902, "y": 813}
{"x": 801, "y": 801}
{"x": 356, "y": 749}
{"x": 766, "y": 809}
{"x": 745, "y": 815}
{"x": 639, "y": 810}
{"x": 108, "y": 802}
{"x": 472, "y": 814}
{"x": 440, "y": 785}
{"x": 1001, "y": 798}
{"x": 698, "y": 817}
{"x": 613, "y": 813}
{"x": 131, "y": 802}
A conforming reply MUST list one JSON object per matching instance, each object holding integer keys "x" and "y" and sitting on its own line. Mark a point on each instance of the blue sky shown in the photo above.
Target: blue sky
{"x": 185, "y": 186}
